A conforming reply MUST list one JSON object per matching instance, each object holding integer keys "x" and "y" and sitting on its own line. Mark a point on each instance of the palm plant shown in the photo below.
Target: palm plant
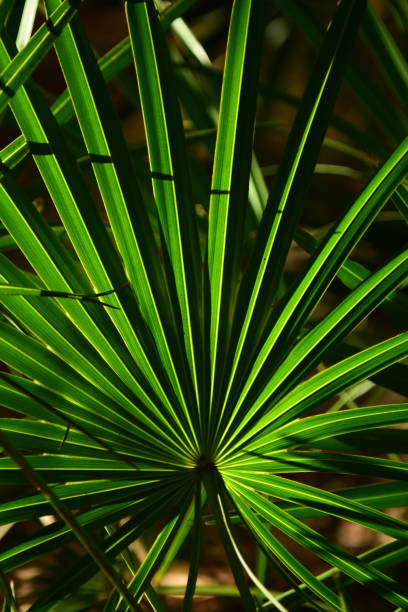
{"x": 153, "y": 376}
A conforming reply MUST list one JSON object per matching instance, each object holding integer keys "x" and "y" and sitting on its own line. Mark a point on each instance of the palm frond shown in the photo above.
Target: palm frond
{"x": 164, "y": 369}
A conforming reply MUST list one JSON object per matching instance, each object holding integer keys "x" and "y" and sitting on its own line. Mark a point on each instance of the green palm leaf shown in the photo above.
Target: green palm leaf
{"x": 351, "y": 566}
{"x": 23, "y": 64}
{"x": 171, "y": 187}
{"x": 161, "y": 362}
{"x": 261, "y": 279}
{"x": 231, "y": 175}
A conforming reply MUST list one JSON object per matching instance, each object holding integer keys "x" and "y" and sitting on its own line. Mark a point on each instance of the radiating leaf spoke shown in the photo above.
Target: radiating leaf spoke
{"x": 154, "y": 557}
{"x": 314, "y": 461}
{"x": 314, "y": 391}
{"x": 83, "y": 225}
{"x": 358, "y": 570}
{"x": 85, "y": 568}
{"x": 23, "y": 64}
{"x": 272, "y": 544}
{"x": 231, "y": 176}
{"x": 118, "y": 189}
{"x": 333, "y": 327}
{"x": 276, "y": 486}
{"x": 260, "y": 281}
{"x": 171, "y": 186}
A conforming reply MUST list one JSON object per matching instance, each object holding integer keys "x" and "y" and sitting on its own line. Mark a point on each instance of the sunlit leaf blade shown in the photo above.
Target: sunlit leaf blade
{"x": 61, "y": 467}
{"x": 119, "y": 191}
{"x": 55, "y": 265}
{"x": 381, "y": 557}
{"x": 38, "y": 402}
{"x": 352, "y": 273}
{"x": 202, "y": 112}
{"x": 29, "y": 357}
{"x": 146, "y": 366}
{"x": 380, "y": 495}
{"x": 49, "y": 438}
{"x": 272, "y": 544}
{"x": 8, "y": 290}
{"x": 352, "y": 566}
{"x": 340, "y": 241}
{"x": 394, "y": 377}
{"x": 18, "y": 290}
{"x": 111, "y": 64}
{"x": 287, "y": 462}
{"x": 26, "y": 26}
{"x": 260, "y": 281}
{"x": 330, "y": 503}
{"x": 86, "y": 231}
{"x": 306, "y": 431}
{"x": 318, "y": 388}
{"x": 56, "y": 535}
{"x": 53, "y": 262}
{"x": 77, "y": 495}
{"x": 49, "y": 323}
{"x": 82, "y": 535}
{"x": 330, "y": 329}
{"x": 400, "y": 199}
{"x": 364, "y": 298}
{"x": 154, "y": 557}
{"x": 19, "y": 69}
{"x": 229, "y": 188}
{"x": 85, "y": 568}
{"x": 171, "y": 186}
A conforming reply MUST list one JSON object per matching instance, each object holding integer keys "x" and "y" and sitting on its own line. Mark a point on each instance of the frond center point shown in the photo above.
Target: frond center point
{"x": 204, "y": 463}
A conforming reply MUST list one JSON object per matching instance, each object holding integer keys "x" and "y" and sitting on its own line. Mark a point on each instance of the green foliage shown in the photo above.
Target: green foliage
{"x": 153, "y": 377}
